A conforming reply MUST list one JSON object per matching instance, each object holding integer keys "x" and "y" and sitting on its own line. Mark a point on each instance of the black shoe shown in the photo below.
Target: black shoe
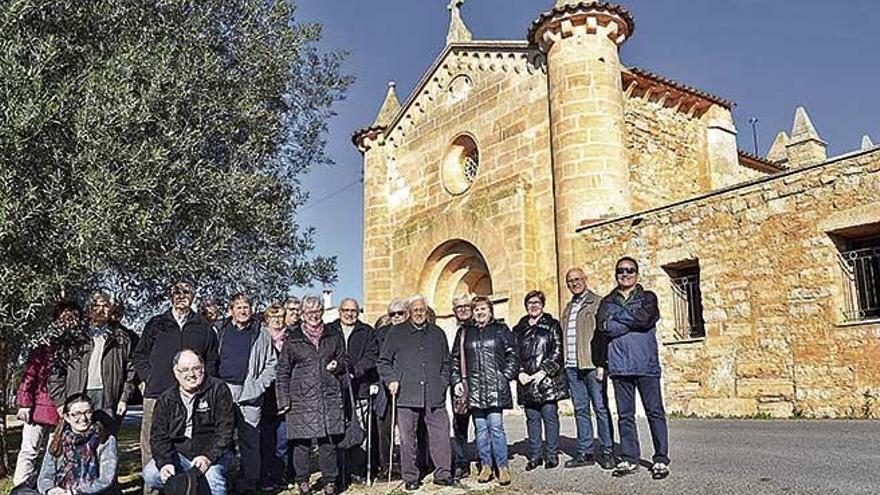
{"x": 606, "y": 460}
{"x": 551, "y": 463}
{"x": 461, "y": 472}
{"x": 533, "y": 463}
{"x": 579, "y": 461}
{"x": 659, "y": 471}
{"x": 624, "y": 468}
{"x": 356, "y": 479}
{"x": 412, "y": 486}
{"x": 450, "y": 482}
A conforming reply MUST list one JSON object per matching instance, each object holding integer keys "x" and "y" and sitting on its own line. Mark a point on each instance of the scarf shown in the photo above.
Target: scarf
{"x": 278, "y": 338}
{"x": 313, "y": 334}
{"x": 78, "y": 462}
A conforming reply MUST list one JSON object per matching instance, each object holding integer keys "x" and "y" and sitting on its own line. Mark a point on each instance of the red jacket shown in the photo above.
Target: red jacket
{"x": 34, "y": 391}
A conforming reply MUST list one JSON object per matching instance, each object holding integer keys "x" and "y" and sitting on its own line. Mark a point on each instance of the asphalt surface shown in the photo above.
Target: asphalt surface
{"x": 752, "y": 457}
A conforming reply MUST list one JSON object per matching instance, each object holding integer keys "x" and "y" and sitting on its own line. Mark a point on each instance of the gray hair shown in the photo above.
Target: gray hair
{"x": 292, "y": 300}
{"x": 416, "y": 298}
{"x": 312, "y": 301}
{"x": 398, "y": 304}
{"x": 350, "y": 299}
{"x": 463, "y": 299}
{"x": 180, "y": 353}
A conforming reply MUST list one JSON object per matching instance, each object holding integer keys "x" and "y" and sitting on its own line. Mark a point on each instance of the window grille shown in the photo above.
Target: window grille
{"x": 688, "y": 306}
{"x": 860, "y": 276}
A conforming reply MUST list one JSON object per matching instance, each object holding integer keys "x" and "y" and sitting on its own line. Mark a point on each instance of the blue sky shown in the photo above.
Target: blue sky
{"x": 767, "y": 56}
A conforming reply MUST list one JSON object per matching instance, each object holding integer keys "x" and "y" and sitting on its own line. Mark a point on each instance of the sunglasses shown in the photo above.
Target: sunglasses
{"x": 627, "y": 271}
{"x": 397, "y": 313}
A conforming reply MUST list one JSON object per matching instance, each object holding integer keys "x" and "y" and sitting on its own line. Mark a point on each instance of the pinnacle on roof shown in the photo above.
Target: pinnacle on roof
{"x": 389, "y": 109}
{"x": 458, "y": 31}
{"x": 866, "y": 142}
{"x": 803, "y": 129}
{"x": 778, "y": 152}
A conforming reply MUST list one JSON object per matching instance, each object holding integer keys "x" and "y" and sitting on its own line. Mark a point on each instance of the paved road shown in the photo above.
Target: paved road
{"x": 754, "y": 457}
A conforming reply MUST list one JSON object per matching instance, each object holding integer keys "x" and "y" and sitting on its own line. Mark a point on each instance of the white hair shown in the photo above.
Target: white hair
{"x": 463, "y": 299}
{"x": 416, "y": 298}
{"x": 313, "y": 302}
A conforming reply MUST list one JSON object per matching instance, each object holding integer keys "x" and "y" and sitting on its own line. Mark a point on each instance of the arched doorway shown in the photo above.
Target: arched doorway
{"x": 454, "y": 267}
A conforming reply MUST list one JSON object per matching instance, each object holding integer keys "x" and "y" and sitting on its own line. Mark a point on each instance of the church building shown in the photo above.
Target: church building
{"x": 513, "y": 161}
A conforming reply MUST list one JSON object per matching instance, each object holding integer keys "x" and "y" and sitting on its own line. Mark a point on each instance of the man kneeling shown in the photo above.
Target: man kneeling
{"x": 192, "y": 427}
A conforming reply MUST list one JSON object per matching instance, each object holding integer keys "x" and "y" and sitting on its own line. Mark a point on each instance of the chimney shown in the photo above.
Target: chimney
{"x": 805, "y": 146}
{"x": 327, "y": 296}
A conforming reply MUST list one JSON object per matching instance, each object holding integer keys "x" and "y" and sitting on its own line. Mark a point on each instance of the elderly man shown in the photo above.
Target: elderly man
{"x": 247, "y": 365}
{"x": 163, "y": 337}
{"x": 363, "y": 352}
{"x": 582, "y": 348}
{"x": 192, "y": 427}
{"x": 464, "y": 315}
{"x": 397, "y": 313}
{"x": 628, "y": 317}
{"x": 414, "y": 362}
{"x": 100, "y": 366}
{"x": 292, "y": 312}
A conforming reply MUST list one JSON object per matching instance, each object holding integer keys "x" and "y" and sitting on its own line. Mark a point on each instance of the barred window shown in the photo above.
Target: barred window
{"x": 859, "y": 264}
{"x": 687, "y": 300}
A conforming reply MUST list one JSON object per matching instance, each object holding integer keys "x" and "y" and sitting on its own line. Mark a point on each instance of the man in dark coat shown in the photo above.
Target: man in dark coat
{"x": 363, "y": 352}
{"x": 628, "y": 316}
{"x": 461, "y": 465}
{"x": 99, "y": 365}
{"x": 414, "y": 362}
{"x": 164, "y": 336}
{"x": 192, "y": 427}
{"x": 310, "y": 374}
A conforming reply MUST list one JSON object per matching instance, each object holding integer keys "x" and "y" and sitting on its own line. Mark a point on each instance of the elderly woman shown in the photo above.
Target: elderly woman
{"x": 309, "y": 387}
{"x": 484, "y": 362}
{"x": 273, "y": 428}
{"x": 82, "y": 455}
{"x": 541, "y": 380}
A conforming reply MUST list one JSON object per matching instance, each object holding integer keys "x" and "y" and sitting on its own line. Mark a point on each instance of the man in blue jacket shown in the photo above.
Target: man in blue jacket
{"x": 628, "y": 315}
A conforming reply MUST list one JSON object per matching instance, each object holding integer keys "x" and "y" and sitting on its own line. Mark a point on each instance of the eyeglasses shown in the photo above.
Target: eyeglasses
{"x": 535, "y": 302}
{"x": 397, "y": 313}
{"x": 195, "y": 369}
{"x": 80, "y": 414}
{"x": 462, "y": 307}
{"x": 313, "y": 312}
{"x": 626, "y": 270}
{"x": 349, "y": 311}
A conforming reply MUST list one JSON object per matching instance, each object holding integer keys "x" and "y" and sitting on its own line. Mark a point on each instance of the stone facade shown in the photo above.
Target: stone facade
{"x": 776, "y": 342}
{"x": 481, "y": 179}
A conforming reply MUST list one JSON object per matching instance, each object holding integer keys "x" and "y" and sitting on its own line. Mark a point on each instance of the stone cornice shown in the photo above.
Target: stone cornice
{"x": 562, "y": 18}
{"x": 684, "y": 98}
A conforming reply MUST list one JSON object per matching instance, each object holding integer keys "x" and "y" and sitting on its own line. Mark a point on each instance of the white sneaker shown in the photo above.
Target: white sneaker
{"x": 624, "y": 468}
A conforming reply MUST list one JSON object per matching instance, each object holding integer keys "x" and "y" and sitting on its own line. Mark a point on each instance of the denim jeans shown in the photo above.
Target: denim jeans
{"x": 491, "y": 438}
{"x": 216, "y": 474}
{"x": 548, "y": 413}
{"x": 585, "y": 389}
{"x": 625, "y": 394}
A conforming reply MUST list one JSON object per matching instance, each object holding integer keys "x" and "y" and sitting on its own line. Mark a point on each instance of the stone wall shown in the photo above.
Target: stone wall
{"x": 776, "y": 342}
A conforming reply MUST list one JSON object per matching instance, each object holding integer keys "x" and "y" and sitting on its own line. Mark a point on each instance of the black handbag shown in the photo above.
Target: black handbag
{"x": 354, "y": 430}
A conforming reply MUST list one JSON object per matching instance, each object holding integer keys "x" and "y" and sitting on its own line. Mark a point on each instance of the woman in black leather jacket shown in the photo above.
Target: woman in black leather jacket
{"x": 541, "y": 381}
{"x": 489, "y": 366}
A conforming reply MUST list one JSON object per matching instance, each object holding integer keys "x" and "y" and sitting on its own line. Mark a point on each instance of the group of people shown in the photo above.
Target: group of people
{"x": 283, "y": 383}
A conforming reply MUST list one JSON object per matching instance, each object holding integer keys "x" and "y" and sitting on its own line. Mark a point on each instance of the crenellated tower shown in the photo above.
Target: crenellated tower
{"x": 581, "y": 41}
{"x": 370, "y": 141}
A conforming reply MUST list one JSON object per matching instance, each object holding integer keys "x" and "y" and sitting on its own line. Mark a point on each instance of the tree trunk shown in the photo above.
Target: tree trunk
{"x": 4, "y": 379}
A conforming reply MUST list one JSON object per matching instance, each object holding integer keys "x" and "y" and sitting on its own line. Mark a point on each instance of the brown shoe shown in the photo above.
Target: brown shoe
{"x": 504, "y": 476}
{"x": 485, "y": 475}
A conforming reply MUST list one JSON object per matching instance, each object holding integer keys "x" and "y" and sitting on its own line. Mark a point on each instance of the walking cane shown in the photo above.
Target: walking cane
{"x": 370, "y": 439}
{"x": 393, "y": 418}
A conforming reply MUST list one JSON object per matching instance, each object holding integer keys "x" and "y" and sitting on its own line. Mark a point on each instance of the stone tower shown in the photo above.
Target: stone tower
{"x": 590, "y": 166}
{"x": 377, "y": 216}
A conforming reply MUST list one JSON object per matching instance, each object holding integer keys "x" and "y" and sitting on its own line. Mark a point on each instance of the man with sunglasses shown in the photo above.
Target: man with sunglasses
{"x": 163, "y": 337}
{"x": 628, "y": 317}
